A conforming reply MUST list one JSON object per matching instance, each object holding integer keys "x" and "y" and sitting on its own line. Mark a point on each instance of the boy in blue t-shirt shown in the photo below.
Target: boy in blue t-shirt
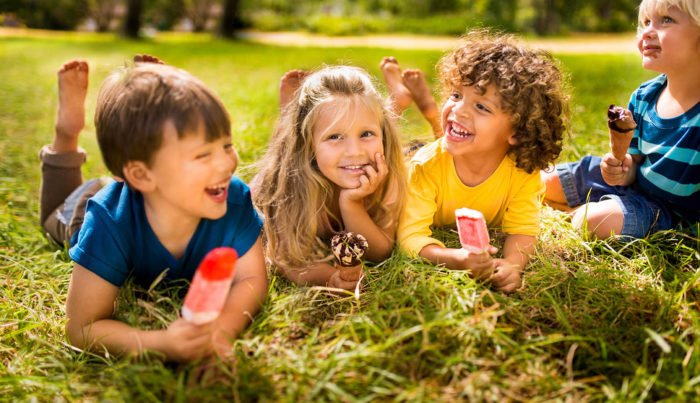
{"x": 657, "y": 185}
{"x": 167, "y": 138}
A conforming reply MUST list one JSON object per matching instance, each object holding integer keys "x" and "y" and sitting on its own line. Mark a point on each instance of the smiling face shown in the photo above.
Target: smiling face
{"x": 668, "y": 41}
{"x": 474, "y": 123}
{"x": 347, "y": 135}
{"x": 190, "y": 176}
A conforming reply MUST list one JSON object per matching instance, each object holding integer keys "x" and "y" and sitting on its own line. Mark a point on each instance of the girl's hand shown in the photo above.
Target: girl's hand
{"x": 506, "y": 276}
{"x": 369, "y": 182}
{"x": 185, "y": 341}
{"x": 336, "y": 282}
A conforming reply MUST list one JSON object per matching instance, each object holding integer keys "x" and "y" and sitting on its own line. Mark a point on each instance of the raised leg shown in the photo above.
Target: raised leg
{"x": 62, "y": 160}
{"x": 289, "y": 83}
{"x": 399, "y": 94}
{"x": 420, "y": 92}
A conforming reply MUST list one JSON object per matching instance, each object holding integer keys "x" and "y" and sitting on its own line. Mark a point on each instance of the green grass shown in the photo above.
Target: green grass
{"x": 594, "y": 321}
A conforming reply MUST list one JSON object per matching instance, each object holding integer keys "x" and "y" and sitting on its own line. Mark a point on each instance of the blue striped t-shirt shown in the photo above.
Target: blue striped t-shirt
{"x": 670, "y": 172}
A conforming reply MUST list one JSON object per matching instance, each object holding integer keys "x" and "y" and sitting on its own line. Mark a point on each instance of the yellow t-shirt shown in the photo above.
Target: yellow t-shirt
{"x": 509, "y": 198}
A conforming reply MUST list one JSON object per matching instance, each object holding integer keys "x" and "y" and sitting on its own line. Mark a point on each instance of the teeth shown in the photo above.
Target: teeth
{"x": 353, "y": 166}
{"x": 459, "y": 132}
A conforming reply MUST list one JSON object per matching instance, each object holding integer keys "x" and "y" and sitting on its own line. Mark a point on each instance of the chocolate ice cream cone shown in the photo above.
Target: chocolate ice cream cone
{"x": 349, "y": 273}
{"x": 348, "y": 249}
{"x": 621, "y": 126}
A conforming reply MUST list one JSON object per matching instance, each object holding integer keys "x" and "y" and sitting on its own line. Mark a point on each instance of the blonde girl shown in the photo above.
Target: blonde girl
{"x": 334, "y": 163}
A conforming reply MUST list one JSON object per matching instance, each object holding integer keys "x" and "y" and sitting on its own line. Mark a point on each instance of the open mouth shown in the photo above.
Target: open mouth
{"x": 458, "y": 132}
{"x": 354, "y": 167}
{"x": 217, "y": 191}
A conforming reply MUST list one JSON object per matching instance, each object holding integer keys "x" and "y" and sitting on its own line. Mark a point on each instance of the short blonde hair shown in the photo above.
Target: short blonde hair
{"x": 690, "y": 7}
{"x": 292, "y": 193}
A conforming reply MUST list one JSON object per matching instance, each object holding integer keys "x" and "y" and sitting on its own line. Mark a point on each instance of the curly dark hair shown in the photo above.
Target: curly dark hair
{"x": 529, "y": 83}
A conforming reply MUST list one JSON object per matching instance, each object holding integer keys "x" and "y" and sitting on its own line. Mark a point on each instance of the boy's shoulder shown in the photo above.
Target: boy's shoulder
{"x": 431, "y": 154}
{"x": 650, "y": 88}
{"x": 238, "y": 191}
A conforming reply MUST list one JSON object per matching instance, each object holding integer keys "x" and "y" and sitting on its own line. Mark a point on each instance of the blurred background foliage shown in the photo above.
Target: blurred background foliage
{"x": 331, "y": 17}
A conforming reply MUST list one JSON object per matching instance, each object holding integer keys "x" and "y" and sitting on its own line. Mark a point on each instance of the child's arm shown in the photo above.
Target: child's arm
{"x": 516, "y": 253}
{"x": 356, "y": 219}
{"x": 479, "y": 265}
{"x": 321, "y": 274}
{"x": 620, "y": 173}
{"x": 247, "y": 295}
{"x": 90, "y": 306}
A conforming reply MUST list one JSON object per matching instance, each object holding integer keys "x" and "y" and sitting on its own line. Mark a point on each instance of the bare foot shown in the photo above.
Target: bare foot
{"x": 400, "y": 95}
{"x": 139, "y": 58}
{"x": 72, "y": 90}
{"x": 420, "y": 92}
{"x": 289, "y": 83}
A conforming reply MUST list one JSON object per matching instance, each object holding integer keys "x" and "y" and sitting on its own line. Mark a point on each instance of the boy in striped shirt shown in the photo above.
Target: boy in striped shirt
{"x": 657, "y": 185}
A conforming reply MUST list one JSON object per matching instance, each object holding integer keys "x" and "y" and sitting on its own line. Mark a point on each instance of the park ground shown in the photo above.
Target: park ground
{"x": 594, "y": 321}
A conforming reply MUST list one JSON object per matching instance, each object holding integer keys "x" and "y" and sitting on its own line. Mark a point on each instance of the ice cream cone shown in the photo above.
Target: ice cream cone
{"x": 621, "y": 126}
{"x": 349, "y": 273}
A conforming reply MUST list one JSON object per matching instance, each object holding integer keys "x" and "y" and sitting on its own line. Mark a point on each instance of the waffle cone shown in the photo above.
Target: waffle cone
{"x": 350, "y": 273}
{"x": 620, "y": 143}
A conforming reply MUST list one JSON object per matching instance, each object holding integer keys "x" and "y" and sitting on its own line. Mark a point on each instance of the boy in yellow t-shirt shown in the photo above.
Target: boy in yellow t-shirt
{"x": 503, "y": 121}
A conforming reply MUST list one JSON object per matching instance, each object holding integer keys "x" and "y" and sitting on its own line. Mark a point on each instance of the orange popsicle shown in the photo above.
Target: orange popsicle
{"x": 210, "y": 286}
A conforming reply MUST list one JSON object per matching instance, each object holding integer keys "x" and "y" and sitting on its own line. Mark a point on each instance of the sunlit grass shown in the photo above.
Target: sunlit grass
{"x": 594, "y": 321}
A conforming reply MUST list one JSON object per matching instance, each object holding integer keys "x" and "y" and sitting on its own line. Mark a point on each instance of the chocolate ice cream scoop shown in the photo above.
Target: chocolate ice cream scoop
{"x": 621, "y": 125}
{"x": 620, "y": 119}
{"x": 348, "y": 248}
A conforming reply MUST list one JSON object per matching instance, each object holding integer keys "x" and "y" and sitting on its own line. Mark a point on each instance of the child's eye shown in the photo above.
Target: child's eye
{"x": 228, "y": 147}
{"x": 646, "y": 22}
{"x": 667, "y": 20}
{"x": 456, "y": 95}
{"x": 333, "y": 137}
{"x": 482, "y": 108}
{"x": 203, "y": 155}
{"x": 367, "y": 133}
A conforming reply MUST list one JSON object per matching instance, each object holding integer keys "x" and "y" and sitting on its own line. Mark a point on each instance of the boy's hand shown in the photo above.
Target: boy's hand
{"x": 336, "y": 282}
{"x": 185, "y": 341}
{"x": 614, "y": 171}
{"x": 369, "y": 182}
{"x": 507, "y": 276}
{"x": 480, "y": 265}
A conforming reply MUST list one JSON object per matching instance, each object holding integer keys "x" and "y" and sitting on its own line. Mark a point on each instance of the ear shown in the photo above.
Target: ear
{"x": 138, "y": 176}
{"x": 512, "y": 140}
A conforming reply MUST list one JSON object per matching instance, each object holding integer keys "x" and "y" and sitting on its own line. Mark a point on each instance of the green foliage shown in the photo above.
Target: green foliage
{"x": 594, "y": 321}
{"x": 48, "y": 14}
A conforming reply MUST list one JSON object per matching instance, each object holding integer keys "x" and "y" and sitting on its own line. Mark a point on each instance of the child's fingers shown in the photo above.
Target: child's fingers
{"x": 382, "y": 168}
{"x": 371, "y": 174}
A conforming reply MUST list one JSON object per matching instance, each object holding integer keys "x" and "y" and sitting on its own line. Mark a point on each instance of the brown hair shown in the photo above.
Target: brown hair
{"x": 530, "y": 87}
{"x": 293, "y": 194}
{"x": 135, "y": 102}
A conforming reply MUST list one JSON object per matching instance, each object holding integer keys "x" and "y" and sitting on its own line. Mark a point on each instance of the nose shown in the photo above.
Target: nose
{"x": 648, "y": 31}
{"x": 228, "y": 161}
{"x": 353, "y": 146}
{"x": 460, "y": 109}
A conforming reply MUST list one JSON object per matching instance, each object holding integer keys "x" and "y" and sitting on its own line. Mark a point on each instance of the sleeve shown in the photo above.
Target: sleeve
{"x": 249, "y": 222}
{"x": 414, "y": 231}
{"x": 522, "y": 215}
{"x": 636, "y": 115}
{"x": 98, "y": 249}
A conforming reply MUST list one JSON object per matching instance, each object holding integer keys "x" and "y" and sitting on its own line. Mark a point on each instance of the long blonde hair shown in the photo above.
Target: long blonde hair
{"x": 293, "y": 195}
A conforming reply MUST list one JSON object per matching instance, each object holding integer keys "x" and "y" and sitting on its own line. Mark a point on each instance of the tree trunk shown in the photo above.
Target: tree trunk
{"x": 230, "y": 20}
{"x": 132, "y": 21}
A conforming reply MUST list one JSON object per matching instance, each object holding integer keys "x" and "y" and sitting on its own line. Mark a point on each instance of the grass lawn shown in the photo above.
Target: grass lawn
{"x": 594, "y": 321}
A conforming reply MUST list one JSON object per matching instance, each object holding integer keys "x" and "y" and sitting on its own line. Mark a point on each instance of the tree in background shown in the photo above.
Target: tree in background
{"x": 102, "y": 12}
{"x": 230, "y": 18}
{"x": 132, "y": 20}
{"x": 47, "y": 14}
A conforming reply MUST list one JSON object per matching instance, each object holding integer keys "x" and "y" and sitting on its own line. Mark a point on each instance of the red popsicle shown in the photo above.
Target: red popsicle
{"x": 210, "y": 286}
{"x": 471, "y": 226}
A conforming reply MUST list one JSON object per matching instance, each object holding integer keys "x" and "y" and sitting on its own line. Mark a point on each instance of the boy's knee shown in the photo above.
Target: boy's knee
{"x": 601, "y": 219}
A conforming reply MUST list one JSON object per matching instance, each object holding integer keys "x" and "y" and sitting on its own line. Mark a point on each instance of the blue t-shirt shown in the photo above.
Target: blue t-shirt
{"x": 670, "y": 172}
{"x": 116, "y": 238}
